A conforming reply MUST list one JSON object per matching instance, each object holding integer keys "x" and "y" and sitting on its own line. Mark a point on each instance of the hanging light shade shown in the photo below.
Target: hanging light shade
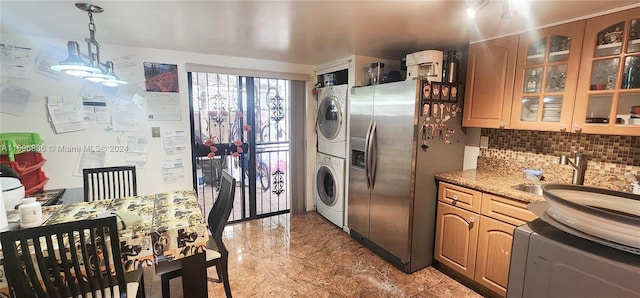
{"x": 113, "y": 79}
{"x": 101, "y": 76}
{"x": 88, "y": 66}
{"x": 75, "y": 65}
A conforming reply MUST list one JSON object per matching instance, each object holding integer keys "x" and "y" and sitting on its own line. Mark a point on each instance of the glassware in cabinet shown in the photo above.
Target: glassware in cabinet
{"x": 546, "y": 76}
{"x": 556, "y": 77}
{"x": 631, "y": 74}
{"x": 552, "y": 108}
{"x": 603, "y": 74}
{"x": 533, "y": 79}
{"x": 609, "y": 41}
{"x": 609, "y": 91}
{"x": 634, "y": 37}
{"x": 536, "y": 51}
{"x": 529, "y": 112}
{"x": 559, "y": 50}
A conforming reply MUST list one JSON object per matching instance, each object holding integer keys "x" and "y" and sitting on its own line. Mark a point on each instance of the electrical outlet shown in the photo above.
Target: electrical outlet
{"x": 484, "y": 142}
{"x": 155, "y": 132}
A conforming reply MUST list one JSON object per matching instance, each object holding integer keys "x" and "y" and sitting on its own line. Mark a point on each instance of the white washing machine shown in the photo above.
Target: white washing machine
{"x": 332, "y": 120}
{"x": 330, "y": 188}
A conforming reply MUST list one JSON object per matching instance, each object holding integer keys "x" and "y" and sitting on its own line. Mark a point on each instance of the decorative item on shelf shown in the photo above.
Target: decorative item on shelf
{"x": 437, "y": 108}
{"x": 611, "y": 36}
{"x": 88, "y": 66}
{"x": 437, "y": 91}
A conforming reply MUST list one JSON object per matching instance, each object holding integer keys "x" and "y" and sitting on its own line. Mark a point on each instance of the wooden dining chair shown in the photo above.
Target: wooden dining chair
{"x": 216, "y": 252}
{"x": 35, "y": 267}
{"x": 109, "y": 183}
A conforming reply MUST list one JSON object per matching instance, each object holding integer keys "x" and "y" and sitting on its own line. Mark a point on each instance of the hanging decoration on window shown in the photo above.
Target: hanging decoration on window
{"x": 277, "y": 107}
{"x": 278, "y": 182}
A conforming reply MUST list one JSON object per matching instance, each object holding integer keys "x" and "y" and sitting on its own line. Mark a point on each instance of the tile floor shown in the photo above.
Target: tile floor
{"x": 307, "y": 256}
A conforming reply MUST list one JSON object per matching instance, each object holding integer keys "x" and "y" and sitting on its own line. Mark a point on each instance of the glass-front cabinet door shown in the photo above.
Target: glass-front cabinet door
{"x": 608, "y": 95}
{"x": 546, "y": 77}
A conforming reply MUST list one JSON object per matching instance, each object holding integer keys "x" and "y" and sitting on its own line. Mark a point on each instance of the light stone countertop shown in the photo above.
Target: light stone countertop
{"x": 493, "y": 182}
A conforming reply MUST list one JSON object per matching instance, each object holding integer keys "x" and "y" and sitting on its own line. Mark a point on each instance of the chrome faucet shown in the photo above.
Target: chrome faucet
{"x": 579, "y": 166}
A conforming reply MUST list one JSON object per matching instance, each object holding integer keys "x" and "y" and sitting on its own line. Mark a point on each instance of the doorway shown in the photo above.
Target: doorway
{"x": 241, "y": 124}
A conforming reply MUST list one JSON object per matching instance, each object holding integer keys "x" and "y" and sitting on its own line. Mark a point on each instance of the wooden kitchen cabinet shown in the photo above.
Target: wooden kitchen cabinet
{"x": 456, "y": 238}
{"x": 546, "y": 75}
{"x": 477, "y": 243}
{"x": 609, "y": 80}
{"x": 489, "y": 83}
{"x": 494, "y": 254}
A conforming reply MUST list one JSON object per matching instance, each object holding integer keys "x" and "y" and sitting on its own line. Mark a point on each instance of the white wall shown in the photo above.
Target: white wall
{"x": 59, "y": 166}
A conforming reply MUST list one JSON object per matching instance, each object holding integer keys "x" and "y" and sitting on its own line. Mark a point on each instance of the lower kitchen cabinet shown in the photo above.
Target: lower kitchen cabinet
{"x": 456, "y": 238}
{"x": 477, "y": 244}
{"x": 494, "y": 254}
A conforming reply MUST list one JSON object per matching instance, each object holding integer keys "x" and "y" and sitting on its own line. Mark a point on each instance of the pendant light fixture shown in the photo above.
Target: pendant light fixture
{"x": 473, "y": 8}
{"x": 89, "y": 66}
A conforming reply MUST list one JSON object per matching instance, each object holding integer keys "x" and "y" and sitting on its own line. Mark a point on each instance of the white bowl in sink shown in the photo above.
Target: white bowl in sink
{"x": 606, "y": 214}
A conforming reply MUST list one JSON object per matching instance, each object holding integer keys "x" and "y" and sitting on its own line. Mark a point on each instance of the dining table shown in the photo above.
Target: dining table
{"x": 155, "y": 228}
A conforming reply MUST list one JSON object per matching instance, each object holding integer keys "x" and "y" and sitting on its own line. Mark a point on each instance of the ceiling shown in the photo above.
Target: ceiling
{"x": 305, "y": 32}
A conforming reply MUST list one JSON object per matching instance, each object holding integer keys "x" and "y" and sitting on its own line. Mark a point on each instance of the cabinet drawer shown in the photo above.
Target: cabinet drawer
{"x": 507, "y": 210}
{"x": 460, "y": 196}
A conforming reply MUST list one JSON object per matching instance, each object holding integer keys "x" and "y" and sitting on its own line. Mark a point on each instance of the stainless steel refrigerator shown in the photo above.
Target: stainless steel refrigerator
{"x": 397, "y": 143}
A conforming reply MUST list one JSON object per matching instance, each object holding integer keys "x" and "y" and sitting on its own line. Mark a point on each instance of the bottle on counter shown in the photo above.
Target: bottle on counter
{"x": 30, "y": 213}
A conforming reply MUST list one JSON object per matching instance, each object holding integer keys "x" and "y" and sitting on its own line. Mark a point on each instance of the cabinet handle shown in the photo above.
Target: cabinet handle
{"x": 456, "y": 198}
{"x": 472, "y": 219}
{"x": 578, "y": 129}
{"x": 502, "y": 125}
{"x": 563, "y": 128}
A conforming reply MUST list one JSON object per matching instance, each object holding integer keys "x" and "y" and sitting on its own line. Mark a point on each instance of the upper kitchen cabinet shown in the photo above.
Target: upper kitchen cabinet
{"x": 489, "y": 83}
{"x": 546, "y": 76}
{"x": 608, "y": 91}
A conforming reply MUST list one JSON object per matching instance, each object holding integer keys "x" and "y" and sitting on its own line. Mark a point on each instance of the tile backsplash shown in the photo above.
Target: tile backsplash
{"x": 609, "y": 157}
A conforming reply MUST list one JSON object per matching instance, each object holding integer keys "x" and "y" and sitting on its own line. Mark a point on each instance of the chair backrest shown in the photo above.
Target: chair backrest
{"x": 109, "y": 183}
{"x": 221, "y": 210}
{"x": 35, "y": 267}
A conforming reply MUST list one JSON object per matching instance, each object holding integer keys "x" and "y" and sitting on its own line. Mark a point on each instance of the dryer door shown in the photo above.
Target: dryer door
{"x": 326, "y": 186}
{"x": 329, "y": 117}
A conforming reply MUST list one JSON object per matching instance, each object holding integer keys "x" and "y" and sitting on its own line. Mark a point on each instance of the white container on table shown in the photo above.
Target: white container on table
{"x": 30, "y": 213}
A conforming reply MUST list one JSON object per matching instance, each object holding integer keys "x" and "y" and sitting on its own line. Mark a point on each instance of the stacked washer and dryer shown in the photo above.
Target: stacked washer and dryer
{"x": 332, "y": 152}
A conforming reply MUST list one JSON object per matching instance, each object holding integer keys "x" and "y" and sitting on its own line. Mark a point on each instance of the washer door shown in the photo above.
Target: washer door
{"x": 326, "y": 186}
{"x": 329, "y": 117}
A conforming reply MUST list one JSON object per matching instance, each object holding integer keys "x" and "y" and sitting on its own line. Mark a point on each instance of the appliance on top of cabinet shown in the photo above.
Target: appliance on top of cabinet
{"x": 425, "y": 65}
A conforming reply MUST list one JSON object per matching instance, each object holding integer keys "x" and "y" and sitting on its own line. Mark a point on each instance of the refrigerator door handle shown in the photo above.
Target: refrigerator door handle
{"x": 373, "y": 143}
{"x": 366, "y": 154}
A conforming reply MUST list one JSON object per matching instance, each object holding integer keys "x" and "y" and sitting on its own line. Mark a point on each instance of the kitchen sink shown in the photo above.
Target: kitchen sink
{"x": 535, "y": 189}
